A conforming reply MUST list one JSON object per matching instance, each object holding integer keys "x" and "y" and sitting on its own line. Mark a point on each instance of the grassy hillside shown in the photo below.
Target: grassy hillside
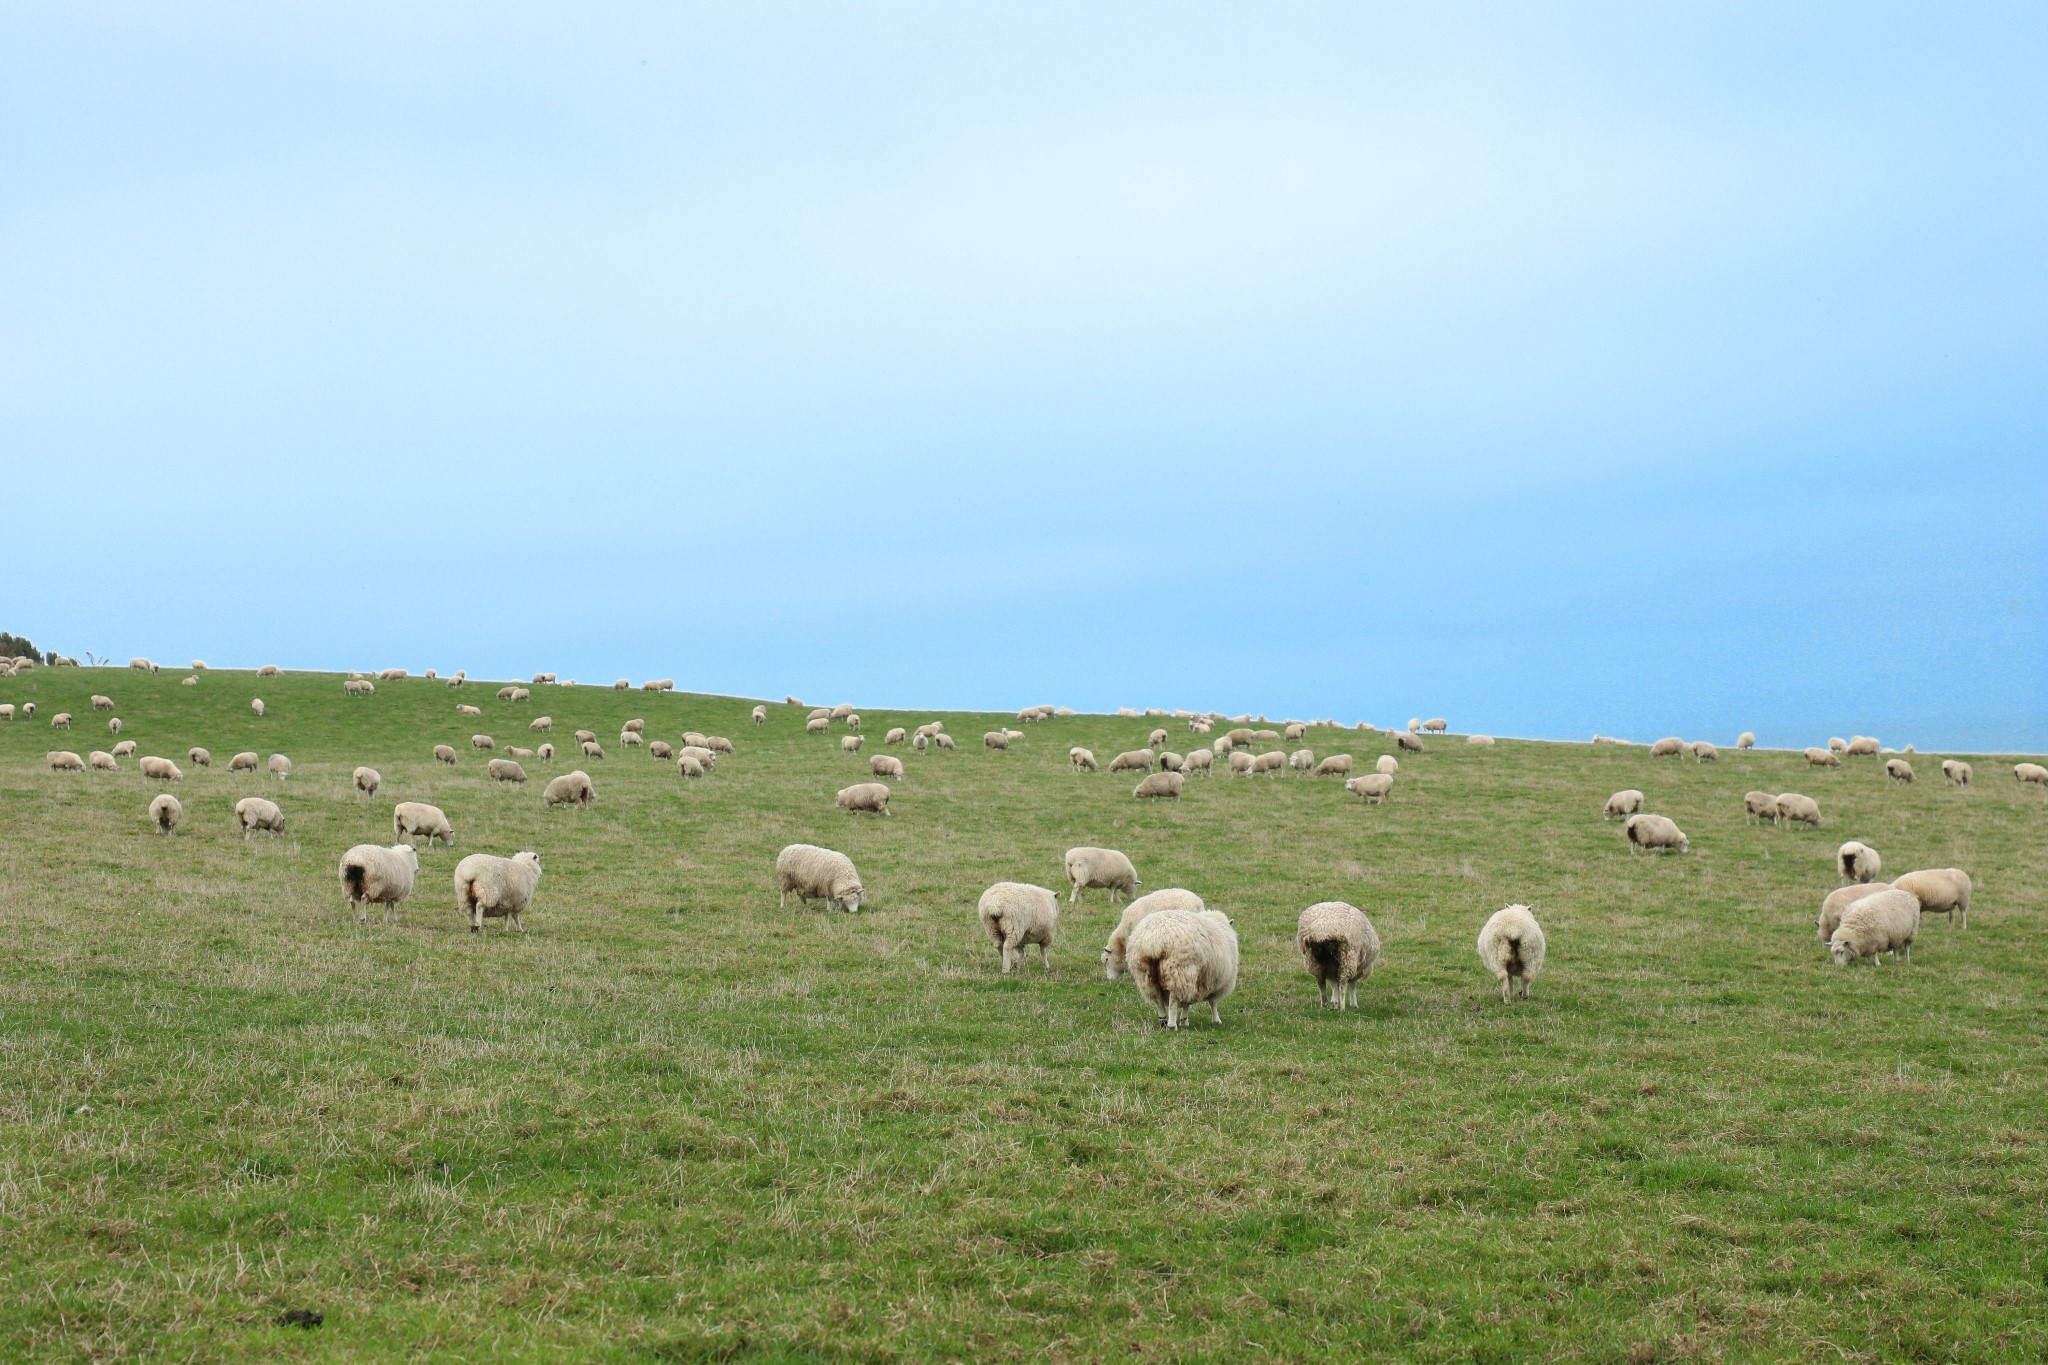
{"x": 673, "y": 1121}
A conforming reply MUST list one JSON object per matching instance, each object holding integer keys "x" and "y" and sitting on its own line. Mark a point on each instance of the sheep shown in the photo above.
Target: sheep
{"x": 374, "y": 875}
{"x": 637, "y": 723}
{"x": 192, "y": 681}
{"x": 689, "y": 766}
{"x": 505, "y": 770}
{"x": 2030, "y": 772}
{"x": 760, "y": 715}
{"x": 1840, "y": 899}
{"x": 1414, "y": 724}
{"x": 540, "y": 678}
{"x": 1703, "y": 752}
{"x": 1760, "y": 806}
{"x": 1240, "y": 764}
{"x": 1012, "y": 735}
{"x": 1340, "y": 947}
{"x": 592, "y": 749}
{"x": 817, "y": 874}
{"x": 1862, "y": 746}
{"x": 114, "y": 726}
{"x": 1823, "y": 758}
{"x": 1294, "y": 730}
{"x": 1668, "y": 747}
{"x": 717, "y": 744}
{"x": 586, "y": 736}
{"x": 1623, "y": 803}
{"x": 1373, "y": 787}
{"x": 1114, "y": 952}
{"x": 622, "y": 684}
{"x": 1017, "y": 915}
{"x": 1796, "y": 809}
{"x": 1940, "y": 891}
{"x": 1885, "y": 922}
{"x": 444, "y": 754}
{"x": 1480, "y": 741}
{"x": 1436, "y": 725}
{"x": 817, "y": 725}
{"x": 1405, "y": 740}
{"x": 430, "y": 675}
{"x": 1157, "y": 739}
{"x": 1079, "y": 759}
{"x": 1336, "y": 765}
{"x": 1127, "y": 712}
{"x": 1104, "y": 867}
{"x": 143, "y": 665}
{"x": 1200, "y": 761}
{"x": 1654, "y": 832}
{"x": 897, "y": 735}
{"x": 1898, "y": 770}
{"x": 64, "y": 761}
{"x": 100, "y": 703}
{"x": 930, "y": 728}
{"x": 1387, "y": 764}
{"x": 998, "y": 741}
{"x": 505, "y": 693}
{"x": 819, "y": 713}
{"x": 101, "y": 761}
{"x": 280, "y": 767}
{"x": 490, "y": 887}
{"x": 28, "y": 710}
{"x": 358, "y": 687}
{"x": 368, "y": 780}
{"x": 886, "y": 765}
{"x": 463, "y": 709}
{"x": 1241, "y": 735}
{"x": 692, "y": 737}
{"x": 61, "y": 721}
{"x": 244, "y": 762}
{"x": 1511, "y": 946}
{"x": 254, "y": 813}
{"x": 6, "y": 710}
{"x": 1132, "y": 760}
{"x": 1838, "y": 745}
{"x": 630, "y": 739}
{"x": 198, "y": 757}
{"x": 1269, "y": 762}
{"x": 1607, "y": 739}
{"x": 661, "y": 749}
{"x": 545, "y": 753}
{"x": 1171, "y": 762}
{"x": 165, "y": 812}
{"x": 841, "y": 711}
{"x": 161, "y": 770}
{"x": 1956, "y": 771}
{"x": 1858, "y": 862}
{"x": 411, "y": 819}
{"x": 1159, "y": 785}
{"x": 704, "y": 756}
{"x": 124, "y": 748}
{"x": 850, "y": 744}
{"x": 853, "y": 722}
{"x": 570, "y": 789}
{"x": 1745, "y": 740}
{"x": 1302, "y": 760}
{"x": 864, "y": 796}
{"x": 942, "y": 740}
{"x": 257, "y": 706}
{"x": 1183, "y": 958}
{"x": 546, "y": 723}
{"x": 919, "y": 743}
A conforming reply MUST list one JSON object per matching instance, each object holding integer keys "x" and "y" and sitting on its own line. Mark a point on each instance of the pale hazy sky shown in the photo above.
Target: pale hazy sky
{"x": 1639, "y": 368}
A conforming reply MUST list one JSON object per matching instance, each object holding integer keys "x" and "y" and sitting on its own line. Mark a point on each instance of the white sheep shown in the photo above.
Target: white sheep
{"x": 1760, "y": 806}
{"x": 100, "y": 703}
{"x": 1184, "y": 958}
{"x": 1340, "y": 947}
{"x": 592, "y": 749}
{"x": 1171, "y": 762}
{"x": 1862, "y": 746}
{"x": 1858, "y": 862}
{"x": 6, "y": 710}
{"x": 1387, "y": 764}
{"x": 1436, "y": 725}
{"x": 717, "y": 744}
{"x": 1240, "y": 764}
{"x": 1940, "y": 891}
{"x": 661, "y": 749}
{"x": 257, "y": 706}
{"x": 886, "y": 765}
{"x": 1898, "y": 770}
{"x": 1336, "y": 765}
{"x": 1132, "y": 760}
{"x": 1374, "y": 787}
{"x": 444, "y": 754}
{"x": 490, "y": 887}
{"x": 161, "y": 769}
{"x": 919, "y": 743}
{"x": 1655, "y": 832}
{"x": 1841, "y": 898}
{"x": 505, "y": 770}
{"x": 1622, "y": 804}
{"x": 1269, "y": 762}
{"x": 850, "y": 744}
{"x": 864, "y": 796}
{"x": 374, "y": 875}
{"x": 101, "y": 761}
{"x": 1668, "y": 747}
{"x": 198, "y": 757}
{"x": 817, "y": 874}
{"x": 1703, "y": 752}
{"x": 630, "y": 739}
{"x": 688, "y": 765}
{"x": 464, "y": 709}
{"x": 897, "y": 735}
{"x": 707, "y": 759}
{"x": 942, "y": 740}
{"x": 1079, "y": 759}
{"x": 570, "y": 789}
{"x": 280, "y": 767}
{"x": 546, "y": 753}
{"x": 853, "y": 722}
{"x": 1199, "y": 761}
{"x": 1100, "y": 867}
{"x": 64, "y": 761}
{"x": 1407, "y": 740}
{"x": 1794, "y": 808}
{"x": 61, "y": 721}
{"x": 998, "y": 741}
{"x": 1480, "y": 741}
{"x": 1823, "y": 758}
{"x": 367, "y": 781}
{"x": 124, "y": 748}
{"x": 1017, "y": 915}
{"x": 254, "y": 813}
{"x": 244, "y": 762}
{"x": 482, "y": 742}
{"x": 1886, "y": 921}
{"x": 546, "y": 723}
{"x": 2030, "y": 772}
{"x": 1114, "y": 960}
{"x": 817, "y": 725}
{"x": 1511, "y": 945}
{"x": 1157, "y": 739}
{"x": 1956, "y": 771}
{"x": 165, "y": 812}
{"x": 1159, "y": 785}
{"x": 411, "y": 819}
{"x": 1838, "y": 745}
{"x": 637, "y": 723}
{"x": 1746, "y": 740}
{"x": 760, "y": 715}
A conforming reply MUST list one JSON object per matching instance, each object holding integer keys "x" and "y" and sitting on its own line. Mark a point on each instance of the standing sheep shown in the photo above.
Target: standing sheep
{"x": 1840, "y": 899}
{"x": 1200, "y": 761}
{"x": 817, "y": 874}
{"x": 997, "y": 741}
{"x": 374, "y": 875}
{"x": 124, "y": 748}
{"x": 1340, "y": 947}
{"x": 280, "y": 767}
{"x": 505, "y": 770}
{"x": 2030, "y": 772}
{"x": 1823, "y": 758}
{"x": 864, "y": 796}
{"x": 1436, "y": 725}
{"x": 254, "y": 813}
{"x": 1884, "y": 922}
{"x": 64, "y": 761}
{"x": 114, "y": 726}
{"x": 1898, "y": 770}
{"x": 1269, "y": 762}
{"x": 662, "y": 750}
{"x": 592, "y": 749}
{"x": 101, "y": 761}
{"x": 444, "y": 754}
{"x": 1240, "y": 763}
{"x": 944, "y": 741}
{"x": 1957, "y": 772}
{"x": 1017, "y": 915}
{"x": 1511, "y": 945}
{"x": 886, "y": 765}
{"x": 490, "y": 887}
{"x": 1653, "y": 832}
{"x": 1171, "y": 762}
{"x": 1669, "y": 747}
{"x": 257, "y": 707}
{"x": 1746, "y": 740}
{"x": 1941, "y": 891}
{"x": 198, "y": 757}
{"x": 1157, "y": 739}
{"x": 545, "y": 753}
{"x": 1622, "y": 804}
{"x": 850, "y": 744}
{"x": 1703, "y": 752}
{"x": 1079, "y": 759}
{"x": 411, "y": 819}
{"x": 630, "y": 739}
{"x": 1114, "y": 961}
{"x": 61, "y": 721}
{"x": 1103, "y": 867}
{"x": 546, "y": 723}
{"x": 1858, "y": 862}
{"x": 570, "y": 789}
{"x": 1796, "y": 809}
{"x": 244, "y": 762}
{"x": 1862, "y": 746}
{"x": 1760, "y": 806}
{"x": 165, "y": 812}
{"x": 1132, "y": 760}
{"x": 1167, "y": 785}
{"x": 367, "y": 781}
{"x": 817, "y": 725}
{"x": 1387, "y": 764}
{"x": 897, "y": 735}
{"x": 482, "y": 742}
{"x": 760, "y": 715}
{"x": 1373, "y": 787}
{"x": 161, "y": 770}
{"x": 1838, "y": 745}
{"x": 1406, "y": 740}
{"x": 1184, "y": 958}
{"x": 1302, "y": 760}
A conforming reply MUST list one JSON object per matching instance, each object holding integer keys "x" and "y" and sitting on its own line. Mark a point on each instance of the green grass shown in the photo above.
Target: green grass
{"x": 673, "y": 1122}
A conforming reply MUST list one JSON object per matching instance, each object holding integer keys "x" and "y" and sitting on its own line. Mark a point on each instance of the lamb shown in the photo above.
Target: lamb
{"x": 1340, "y": 947}
{"x": 254, "y": 813}
{"x": 64, "y": 761}
{"x": 1404, "y": 739}
{"x": 1079, "y": 759}
{"x": 1796, "y": 809}
{"x": 490, "y": 887}
{"x": 546, "y": 723}
{"x": 850, "y": 744}
{"x": 1654, "y": 832}
{"x": 1858, "y": 862}
{"x": 2030, "y": 772}
{"x": 1941, "y": 891}
{"x": 411, "y": 819}
{"x": 1269, "y": 763}
{"x": 897, "y": 735}
{"x": 1374, "y": 787}
{"x": 482, "y": 742}
{"x": 817, "y": 725}
{"x": 124, "y": 748}
{"x": 817, "y": 874}
{"x": 1017, "y": 915}
{"x": 257, "y": 707}
{"x": 1668, "y": 747}
{"x": 1746, "y": 740}
{"x": 1436, "y": 725}
{"x": 101, "y": 761}
{"x": 1511, "y": 946}
{"x": 368, "y": 780}
{"x": 1760, "y": 806}
{"x": 1703, "y": 752}
{"x": 546, "y": 753}
{"x": 505, "y": 770}
{"x": 1132, "y": 760}
{"x": 1158, "y": 785}
{"x": 886, "y": 765}
{"x": 1885, "y": 922}
{"x": 192, "y": 681}
{"x": 165, "y": 812}
{"x": 243, "y": 762}
{"x": 1898, "y": 770}
{"x": 1171, "y": 762}
{"x": 1387, "y": 764}
{"x": 592, "y": 749}
{"x": 1481, "y": 741}
{"x": 998, "y": 741}
{"x": 571, "y": 788}
{"x": 1104, "y": 867}
{"x": 1623, "y": 803}
{"x": 1956, "y": 771}
{"x": 1840, "y": 899}
{"x": 864, "y": 796}
{"x": 161, "y": 770}
{"x": 1183, "y": 958}
{"x": 1240, "y": 764}
{"x": 1862, "y": 746}
{"x": 1336, "y": 765}
{"x": 1200, "y": 761}
{"x": 1114, "y": 952}
{"x": 1157, "y": 739}
{"x": 1823, "y": 758}
{"x": 100, "y": 703}
{"x": 374, "y": 875}
{"x": 760, "y": 715}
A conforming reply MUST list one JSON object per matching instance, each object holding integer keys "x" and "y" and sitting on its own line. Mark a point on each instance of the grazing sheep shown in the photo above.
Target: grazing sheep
{"x": 592, "y": 749}
{"x": 1622, "y": 804}
{"x": 897, "y": 735}
{"x": 1886, "y": 921}
{"x": 717, "y": 744}
{"x": 886, "y": 765}
{"x": 817, "y": 874}
{"x": 1862, "y": 746}
{"x": 1079, "y": 759}
{"x": 1374, "y": 787}
{"x": 1104, "y": 867}
{"x": 841, "y": 711}
{"x": 1017, "y": 915}
{"x": 630, "y": 739}
{"x": 142, "y": 664}
{"x": 864, "y": 796}
{"x": 114, "y": 726}
{"x": 28, "y": 710}
{"x": 1760, "y": 806}
{"x": 1166, "y": 785}
{"x": 1387, "y": 764}
{"x": 1340, "y": 947}
{"x": 411, "y": 819}
{"x": 1183, "y": 958}
{"x": 64, "y": 761}
{"x": 198, "y": 757}
{"x": 546, "y": 753}
{"x": 268, "y": 671}
{"x": 254, "y": 813}
{"x": 817, "y": 725}
{"x": 850, "y": 744}
{"x": 280, "y": 767}
{"x": 165, "y": 812}
{"x": 505, "y": 770}
{"x": 570, "y": 789}
{"x": 1703, "y": 752}
{"x": 942, "y": 740}
{"x": 161, "y": 770}
{"x": 702, "y": 755}
{"x": 1270, "y": 762}
{"x": 1823, "y": 758}
{"x": 1336, "y": 765}
{"x": 101, "y": 761}
{"x": 358, "y": 687}
{"x": 243, "y": 762}
{"x": 2030, "y": 772}
{"x": 368, "y": 780}
{"x": 661, "y": 749}
{"x": 1114, "y": 959}
{"x": 1668, "y": 747}
{"x": 1840, "y": 899}
{"x": 1746, "y": 740}
{"x": 374, "y": 875}
{"x": 1132, "y": 760}
{"x": 853, "y": 722}
{"x": 1898, "y": 770}
{"x": 919, "y": 743}
{"x": 997, "y": 741}
{"x": 257, "y": 707}
{"x": 1511, "y": 946}
{"x": 636, "y": 724}
{"x": 6, "y": 710}
{"x": 1127, "y": 712}
{"x": 444, "y": 754}
{"x": 1302, "y": 760}
{"x": 760, "y": 715}
{"x": 1940, "y": 891}
{"x": 1858, "y": 862}
{"x": 689, "y": 765}
{"x": 1240, "y": 764}
{"x": 1482, "y": 741}
{"x": 1171, "y": 762}
{"x": 1200, "y": 761}
{"x": 1654, "y": 832}
{"x": 1838, "y": 745}
{"x": 1407, "y": 740}
{"x": 586, "y": 736}
{"x": 546, "y": 723}
{"x": 1436, "y": 725}
{"x": 490, "y": 887}
{"x": 1293, "y": 730}
{"x": 930, "y": 728}
{"x": 1796, "y": 809}
{"x": 1956, "y": 771}
{"x": 61, "y": 721}
{"x": 1157, "y": 739}
{"x": 482, "y": 742}
{"x": 1414, "y": 724}
{"x": 1607, "y": 739}
{"x": 124, "y": 748}
{"x": 100, "y": 703}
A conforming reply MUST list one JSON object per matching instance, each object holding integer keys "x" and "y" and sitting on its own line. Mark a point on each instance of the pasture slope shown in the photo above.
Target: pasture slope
{"x": 674, "y": 1122}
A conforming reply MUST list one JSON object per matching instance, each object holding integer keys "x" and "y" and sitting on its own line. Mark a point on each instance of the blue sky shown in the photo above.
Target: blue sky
{"x": 1648, "y": 369}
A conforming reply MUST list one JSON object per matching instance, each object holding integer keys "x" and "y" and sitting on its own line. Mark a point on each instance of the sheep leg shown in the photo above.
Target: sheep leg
{"x": 1504, "y": 997}
{"x": 1215, "y": 1015}
{"x": 1045, "y": 956}
{"x": 517, "y": 922}
{"x": 1354, "y": 995}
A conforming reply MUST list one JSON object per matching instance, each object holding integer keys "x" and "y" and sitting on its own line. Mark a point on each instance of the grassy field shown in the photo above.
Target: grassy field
{"x": 674, "y": 1122}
